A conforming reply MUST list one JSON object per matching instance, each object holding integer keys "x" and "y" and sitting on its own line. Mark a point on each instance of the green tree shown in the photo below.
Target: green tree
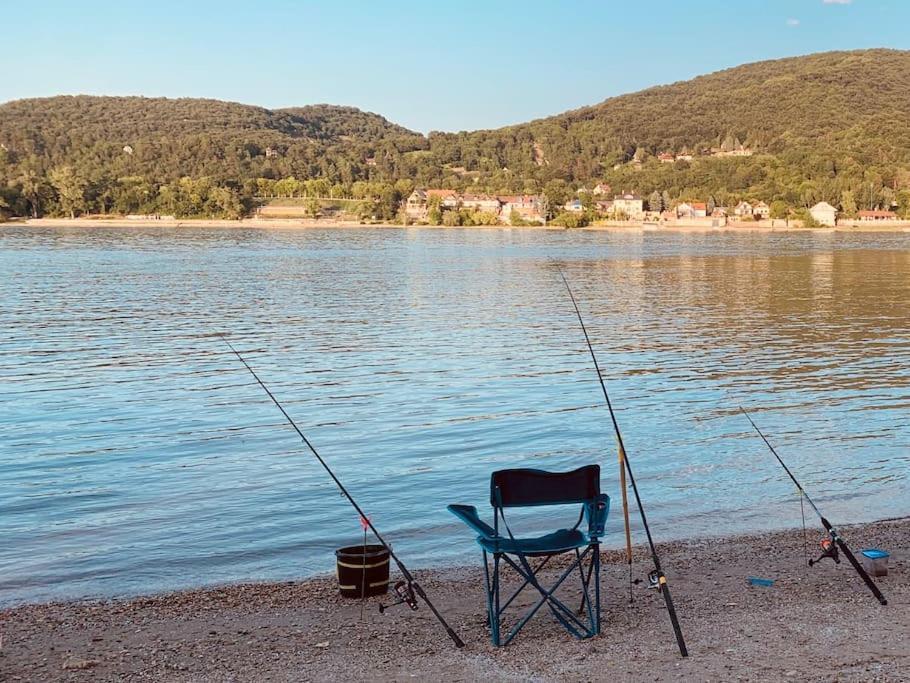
{"x": 434, "y": 210}
{"x": 265, "y": 187}
{"x": 312, "y": 207}
{"x": 484, "y": 218}
{"x": 389, "y": 202}
{"x": 70, "y": 186}
{"x": 903, "y": 204}
{"x": 655, "y": 202}
{"x": 848, "y": 204}
{"x": 779, "y": 209}
{"x": 288, "y": 187}
{"x": 405, "y": 186}
{"x": 806, "y": 217}
{"x": 225, "y": 203}
{"x": 132, "y": 194}
{"x": 32, "y": 185}
{"x": 451, "y": 218}
{"x": 515, "y": 218}
{"x": 569, "y": 220}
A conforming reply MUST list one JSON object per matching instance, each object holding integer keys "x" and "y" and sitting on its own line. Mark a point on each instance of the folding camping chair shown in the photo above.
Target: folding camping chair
{"x": 531, "y": 488}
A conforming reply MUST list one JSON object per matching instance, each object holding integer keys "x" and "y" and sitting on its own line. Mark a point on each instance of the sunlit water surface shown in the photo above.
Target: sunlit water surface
{"x": 138, "y": 455}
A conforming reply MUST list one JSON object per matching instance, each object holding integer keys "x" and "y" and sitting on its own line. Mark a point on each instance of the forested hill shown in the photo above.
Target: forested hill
{"x": 843, "y": 104}
{"x": 170, "y": 138}
{"x": 829, "y": 126}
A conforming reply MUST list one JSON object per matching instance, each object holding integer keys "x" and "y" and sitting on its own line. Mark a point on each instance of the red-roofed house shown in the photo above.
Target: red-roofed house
{"x": 449, "y": 198}
{"x": 692, "y": 210}
{"x": 526, "y": 206}
{"x": 878, "y": 215}
{"x": 481, "y": 202}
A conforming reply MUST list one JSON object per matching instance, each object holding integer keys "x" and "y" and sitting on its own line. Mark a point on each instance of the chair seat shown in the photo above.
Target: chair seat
{"x": 556, "y": 542}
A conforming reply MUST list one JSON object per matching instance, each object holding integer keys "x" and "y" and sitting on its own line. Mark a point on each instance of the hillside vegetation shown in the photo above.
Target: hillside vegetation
{"x": 830, "y": 126}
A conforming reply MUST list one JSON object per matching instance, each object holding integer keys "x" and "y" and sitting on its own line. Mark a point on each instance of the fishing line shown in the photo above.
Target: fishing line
{"x": 658, "y": 578}
{"x": 409, "y": 578}
{"x": 802, "y": 510}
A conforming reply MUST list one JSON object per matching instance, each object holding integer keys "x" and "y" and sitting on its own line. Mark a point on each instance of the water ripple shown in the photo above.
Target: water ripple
{"x": 137, "y": 455}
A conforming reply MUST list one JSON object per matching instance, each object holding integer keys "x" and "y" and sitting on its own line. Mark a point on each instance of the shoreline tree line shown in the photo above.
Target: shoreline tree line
{"x": 819, "y": 128}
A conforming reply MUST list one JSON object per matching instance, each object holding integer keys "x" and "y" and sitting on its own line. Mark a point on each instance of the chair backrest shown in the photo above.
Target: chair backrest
{"x": 526, "y": 487}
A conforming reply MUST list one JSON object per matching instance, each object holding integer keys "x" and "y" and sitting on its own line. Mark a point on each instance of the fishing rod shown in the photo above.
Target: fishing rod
{"x": 412, "y": 585}
{"x": 835, "y": 537}
{"x": 658, "y": 579}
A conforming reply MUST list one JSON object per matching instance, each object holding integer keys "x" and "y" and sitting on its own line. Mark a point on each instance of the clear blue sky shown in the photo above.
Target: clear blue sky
{"x": 431, "y": 65}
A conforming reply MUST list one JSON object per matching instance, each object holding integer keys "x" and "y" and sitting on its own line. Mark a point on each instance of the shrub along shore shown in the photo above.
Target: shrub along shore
{"x": 297, "y": 223}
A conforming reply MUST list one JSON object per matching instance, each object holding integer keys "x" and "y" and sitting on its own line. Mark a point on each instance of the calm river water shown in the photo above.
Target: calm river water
{"x": 138, "y": 455}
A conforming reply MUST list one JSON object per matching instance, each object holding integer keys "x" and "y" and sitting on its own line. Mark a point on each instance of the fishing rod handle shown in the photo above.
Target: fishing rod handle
{"x": 856, "y": 565}
{"x": 671, "y": 610}
{"x": 859, "y": 570}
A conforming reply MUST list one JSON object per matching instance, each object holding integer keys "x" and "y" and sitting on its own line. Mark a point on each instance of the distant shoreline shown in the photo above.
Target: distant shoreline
{"x": 304, "y": 223}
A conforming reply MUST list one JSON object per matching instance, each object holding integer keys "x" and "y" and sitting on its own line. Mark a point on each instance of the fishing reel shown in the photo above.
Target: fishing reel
{"x": 829, "y": 550}
{"x": 405, "y": 594}
{"x": 653, "y": 581}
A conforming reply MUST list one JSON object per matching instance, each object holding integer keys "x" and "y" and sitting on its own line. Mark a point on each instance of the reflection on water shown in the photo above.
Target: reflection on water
{"x": 136, "y": 453}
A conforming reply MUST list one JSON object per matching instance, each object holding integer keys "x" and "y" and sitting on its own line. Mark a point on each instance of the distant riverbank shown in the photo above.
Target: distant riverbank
{"x": 298, "y": 223}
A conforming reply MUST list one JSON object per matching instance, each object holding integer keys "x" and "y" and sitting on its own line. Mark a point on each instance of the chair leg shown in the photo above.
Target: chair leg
{"x": 488, "y": 592}
{"x": 585, "y": 594}
{"x": 597, "y": 589}
{"x": 593, "y": 571}
{"x": 496, "y": 611}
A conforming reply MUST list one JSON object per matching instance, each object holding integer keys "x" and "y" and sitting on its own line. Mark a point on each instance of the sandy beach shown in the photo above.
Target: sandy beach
{"x": 301, "y": 223}
{"x": 818, "y": 624}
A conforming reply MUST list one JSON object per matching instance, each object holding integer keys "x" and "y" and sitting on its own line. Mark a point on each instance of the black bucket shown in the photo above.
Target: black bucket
{"x": 363, "y": 570}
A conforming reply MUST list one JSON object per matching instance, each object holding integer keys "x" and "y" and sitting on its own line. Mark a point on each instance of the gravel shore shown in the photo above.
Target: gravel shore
{"x": 812, "y": 624}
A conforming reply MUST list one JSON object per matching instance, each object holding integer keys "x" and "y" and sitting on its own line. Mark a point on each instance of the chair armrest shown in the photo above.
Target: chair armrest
{"x": 596, "y": 512}
{"x": 468, "y": 515}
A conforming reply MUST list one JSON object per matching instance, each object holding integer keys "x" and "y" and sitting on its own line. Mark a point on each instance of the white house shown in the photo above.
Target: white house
{"x": 743, "y": 209}
{"x": 629, "y": 204}
{"x": 824, "y": 213}
{"x": 416, "y": 205}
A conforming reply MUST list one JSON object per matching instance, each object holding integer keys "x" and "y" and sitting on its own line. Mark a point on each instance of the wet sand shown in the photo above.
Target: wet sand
{"x": 818, "y": 624}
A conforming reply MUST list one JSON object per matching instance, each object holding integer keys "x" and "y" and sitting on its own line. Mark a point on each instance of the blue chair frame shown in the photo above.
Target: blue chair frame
{"x": 533, "y": 488}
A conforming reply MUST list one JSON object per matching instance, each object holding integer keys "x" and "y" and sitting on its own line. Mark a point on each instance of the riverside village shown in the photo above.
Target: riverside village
{"x": 601, "y": 207}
